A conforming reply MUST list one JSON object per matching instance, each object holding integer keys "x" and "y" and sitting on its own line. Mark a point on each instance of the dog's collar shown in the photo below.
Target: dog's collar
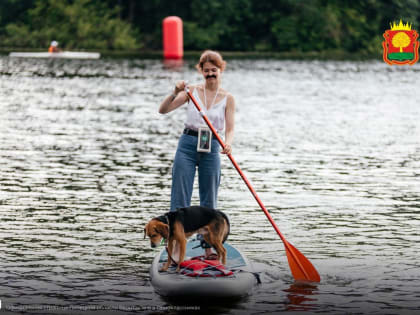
{"x": 167, "y": 219}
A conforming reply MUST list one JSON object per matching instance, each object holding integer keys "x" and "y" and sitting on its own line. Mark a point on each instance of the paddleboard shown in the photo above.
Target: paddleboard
{"x": 64, "y": 54}
{"x": 240, "y": 281}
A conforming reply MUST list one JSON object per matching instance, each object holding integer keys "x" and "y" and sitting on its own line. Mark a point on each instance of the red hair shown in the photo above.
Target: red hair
{"x": 211, "y": 56}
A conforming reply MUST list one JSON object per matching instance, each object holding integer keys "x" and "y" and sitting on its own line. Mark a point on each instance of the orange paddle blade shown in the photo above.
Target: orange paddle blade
{"x": 301, "y": 267}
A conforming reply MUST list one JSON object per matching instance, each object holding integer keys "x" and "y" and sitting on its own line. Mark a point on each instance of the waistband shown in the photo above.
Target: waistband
{"x": 190, "y": 132}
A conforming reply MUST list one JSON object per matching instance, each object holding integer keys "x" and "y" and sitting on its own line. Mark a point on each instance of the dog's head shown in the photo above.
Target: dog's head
{"x": 156, "y": 230}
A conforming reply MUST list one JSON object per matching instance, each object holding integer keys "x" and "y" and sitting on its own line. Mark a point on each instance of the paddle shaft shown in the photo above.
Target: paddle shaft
{"x": 251, "y": 189}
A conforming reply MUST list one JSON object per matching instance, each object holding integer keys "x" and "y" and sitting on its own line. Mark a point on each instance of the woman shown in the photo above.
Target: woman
{"x": 219, "y": 107}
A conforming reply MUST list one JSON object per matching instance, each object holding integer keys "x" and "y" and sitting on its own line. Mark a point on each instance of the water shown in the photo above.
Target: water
{"x": 332, "y": 148}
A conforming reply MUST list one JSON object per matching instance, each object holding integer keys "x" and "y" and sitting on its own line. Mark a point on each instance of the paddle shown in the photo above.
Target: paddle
{"x": 301, "y": 267}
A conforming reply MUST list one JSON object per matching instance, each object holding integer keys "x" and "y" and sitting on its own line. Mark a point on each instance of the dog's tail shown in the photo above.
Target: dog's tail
{"x": 228, "y": 223}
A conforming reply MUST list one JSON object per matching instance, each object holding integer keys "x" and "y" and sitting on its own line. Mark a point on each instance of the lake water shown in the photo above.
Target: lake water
{"x": 332, "y": 148}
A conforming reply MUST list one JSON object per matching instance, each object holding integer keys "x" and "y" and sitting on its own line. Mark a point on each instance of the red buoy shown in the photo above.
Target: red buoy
{"x": 173, "y": 41}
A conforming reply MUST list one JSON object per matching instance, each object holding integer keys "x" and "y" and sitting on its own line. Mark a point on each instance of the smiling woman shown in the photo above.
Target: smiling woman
{"x": 188, "y": 157}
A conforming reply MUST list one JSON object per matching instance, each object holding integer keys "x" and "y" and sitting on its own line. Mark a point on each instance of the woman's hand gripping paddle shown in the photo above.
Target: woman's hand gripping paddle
{"x": 301, "y": 267}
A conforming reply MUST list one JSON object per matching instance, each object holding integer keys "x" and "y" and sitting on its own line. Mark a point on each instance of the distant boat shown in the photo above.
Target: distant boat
{"x": 64, "y": 54}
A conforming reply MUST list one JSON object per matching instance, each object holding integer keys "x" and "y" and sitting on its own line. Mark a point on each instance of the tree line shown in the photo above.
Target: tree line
{"x": 227, "y": 25}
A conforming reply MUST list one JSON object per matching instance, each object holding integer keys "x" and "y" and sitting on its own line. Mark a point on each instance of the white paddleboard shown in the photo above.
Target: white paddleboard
{"x": 173, "y": 284}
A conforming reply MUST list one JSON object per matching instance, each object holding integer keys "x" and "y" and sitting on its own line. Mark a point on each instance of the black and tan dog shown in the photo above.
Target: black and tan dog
{"x": 177, "y": 226}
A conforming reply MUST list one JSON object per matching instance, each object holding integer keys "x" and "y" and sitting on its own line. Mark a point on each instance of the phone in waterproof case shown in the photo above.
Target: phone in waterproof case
{"x": 204, "y": 140}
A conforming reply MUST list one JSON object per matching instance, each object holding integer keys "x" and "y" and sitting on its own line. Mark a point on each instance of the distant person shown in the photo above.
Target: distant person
{"x": 54, "y": 47}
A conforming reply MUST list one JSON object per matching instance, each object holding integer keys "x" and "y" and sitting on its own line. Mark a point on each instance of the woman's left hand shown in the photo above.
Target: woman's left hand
{"x": 227, "y": 149}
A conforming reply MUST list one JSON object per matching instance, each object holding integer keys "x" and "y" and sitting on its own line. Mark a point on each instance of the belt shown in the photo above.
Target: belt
{"x": 190, "y": 132}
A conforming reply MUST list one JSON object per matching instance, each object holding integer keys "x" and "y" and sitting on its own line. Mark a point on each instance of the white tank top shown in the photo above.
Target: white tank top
{"x": 216, "y": 114}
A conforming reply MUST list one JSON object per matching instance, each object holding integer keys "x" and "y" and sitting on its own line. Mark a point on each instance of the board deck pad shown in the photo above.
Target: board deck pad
{"x": 234, "y": 258}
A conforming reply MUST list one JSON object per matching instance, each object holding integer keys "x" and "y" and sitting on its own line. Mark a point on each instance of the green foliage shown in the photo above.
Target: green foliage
{"x": 198, "y": 36}
{"x": 74, "y": 24}
{"x": 228, "y": 25}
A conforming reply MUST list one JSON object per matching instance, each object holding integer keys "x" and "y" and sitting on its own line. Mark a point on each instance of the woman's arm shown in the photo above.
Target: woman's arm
{"x": 174, "y": 100}
{"x": 230, "y": 124}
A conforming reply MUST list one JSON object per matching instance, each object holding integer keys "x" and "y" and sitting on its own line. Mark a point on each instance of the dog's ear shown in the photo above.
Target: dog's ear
{"x": 163, "y": 229}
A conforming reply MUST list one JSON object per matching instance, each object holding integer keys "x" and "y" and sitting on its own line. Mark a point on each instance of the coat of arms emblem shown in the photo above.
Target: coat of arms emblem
{"x": 400, "y": 46}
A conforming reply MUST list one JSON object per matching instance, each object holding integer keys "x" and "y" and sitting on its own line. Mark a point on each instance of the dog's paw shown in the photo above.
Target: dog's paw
{"x": 212, "y": 256}
{"x": 164, "y": 268}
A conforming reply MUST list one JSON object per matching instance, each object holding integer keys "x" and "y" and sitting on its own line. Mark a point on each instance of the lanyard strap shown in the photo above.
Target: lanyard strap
{"x": 205, "y": 97}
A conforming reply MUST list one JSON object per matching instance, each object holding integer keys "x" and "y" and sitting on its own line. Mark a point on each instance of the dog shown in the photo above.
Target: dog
{"x": 177, "y": 226}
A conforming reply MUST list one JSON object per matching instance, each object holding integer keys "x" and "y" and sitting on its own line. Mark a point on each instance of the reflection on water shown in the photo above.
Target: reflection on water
{"x": 173, "y": 64}
{"x": 302, "y": 297}
{"x": 332, "y": 148}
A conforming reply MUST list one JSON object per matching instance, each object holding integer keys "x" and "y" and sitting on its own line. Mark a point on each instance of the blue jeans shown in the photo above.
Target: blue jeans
{"x": 187, "y": 160}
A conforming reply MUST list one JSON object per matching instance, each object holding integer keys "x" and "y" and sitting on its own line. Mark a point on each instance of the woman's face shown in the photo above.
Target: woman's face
{"x": 210, "y": 72}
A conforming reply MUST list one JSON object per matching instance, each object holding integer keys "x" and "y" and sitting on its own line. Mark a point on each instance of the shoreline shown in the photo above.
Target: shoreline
{"x": 337, "y": 55}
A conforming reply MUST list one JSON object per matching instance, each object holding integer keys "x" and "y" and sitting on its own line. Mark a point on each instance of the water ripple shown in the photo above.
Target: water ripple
{"x": 330, "y": 147}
